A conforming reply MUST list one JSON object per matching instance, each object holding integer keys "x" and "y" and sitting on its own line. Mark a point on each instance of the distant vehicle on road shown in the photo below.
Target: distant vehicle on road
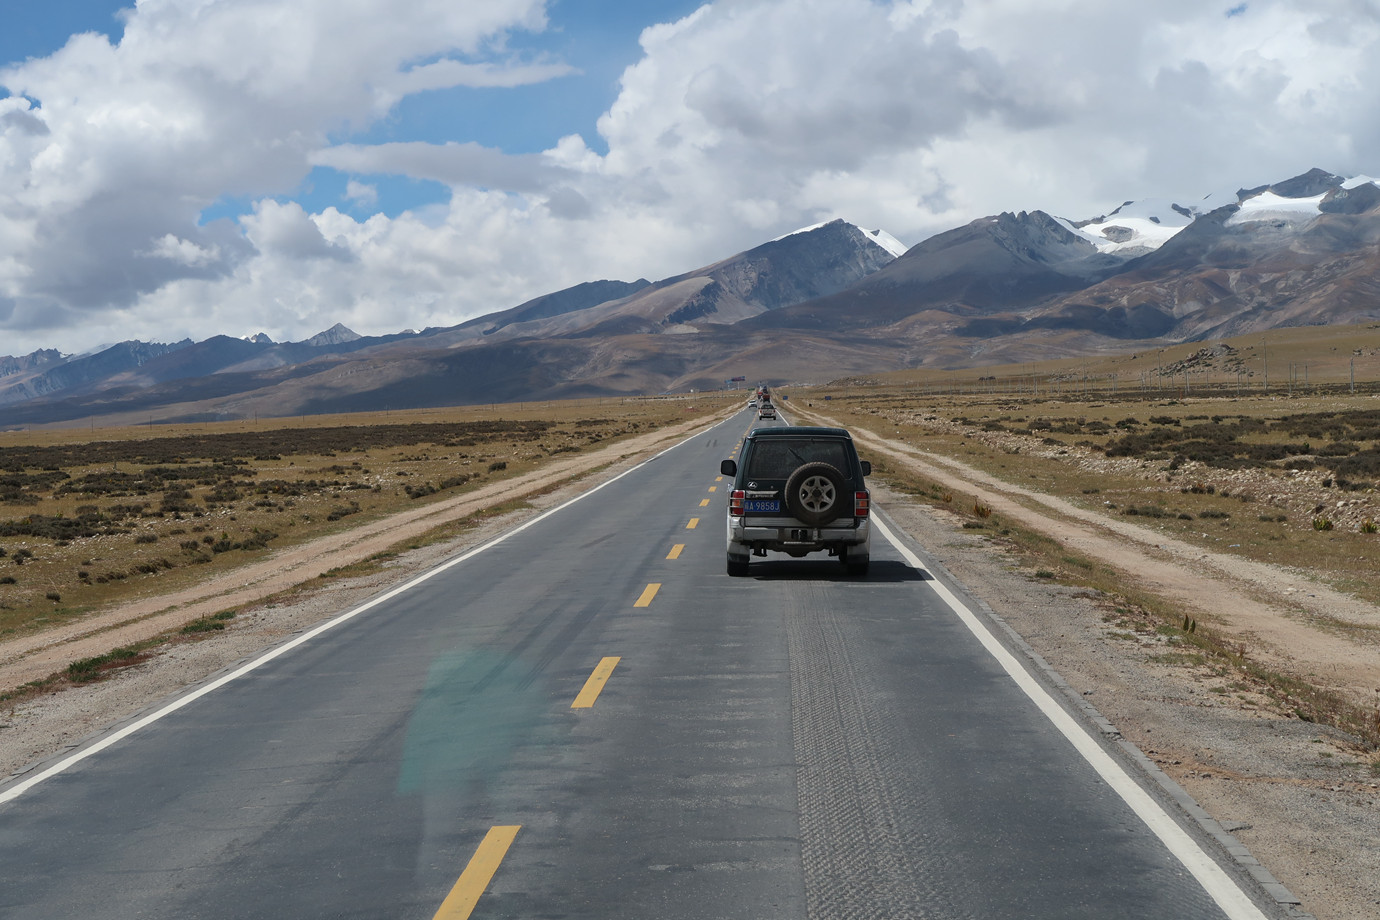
{"x": 799, "y": 491}
{"x": 766, "y": 411}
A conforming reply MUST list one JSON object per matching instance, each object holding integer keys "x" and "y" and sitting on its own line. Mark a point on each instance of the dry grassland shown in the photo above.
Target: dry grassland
{"x": 1289, "y": 482}
{"x": 92, "y": 519}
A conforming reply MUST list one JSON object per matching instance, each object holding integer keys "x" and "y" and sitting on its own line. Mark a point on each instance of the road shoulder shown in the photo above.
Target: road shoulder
{"x": 1261, "y": 775}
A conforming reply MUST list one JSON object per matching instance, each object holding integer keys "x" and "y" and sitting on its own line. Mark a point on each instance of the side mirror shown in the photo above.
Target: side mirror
{"x": 728, "y": 467}
{"x": 866, "y": 467}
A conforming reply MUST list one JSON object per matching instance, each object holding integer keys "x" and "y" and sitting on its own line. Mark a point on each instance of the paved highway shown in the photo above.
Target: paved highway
{"x": 589, "y": 718}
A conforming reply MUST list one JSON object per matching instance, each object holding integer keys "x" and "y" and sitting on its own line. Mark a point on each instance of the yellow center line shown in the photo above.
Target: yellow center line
{"x": 704, "y": 502}
{"x": 718, "y": 479}
{"x": 483, "y": 864}
{"x": 694, "y": 522}
{"x": 713, "y": 488}
{"x": 647, "y": 594}
{"x": 675, "y": 551}
{"x": 595, "y": 684}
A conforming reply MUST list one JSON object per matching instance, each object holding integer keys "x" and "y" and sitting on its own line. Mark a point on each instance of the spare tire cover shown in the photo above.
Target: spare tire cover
{"x": 815, "y": 493}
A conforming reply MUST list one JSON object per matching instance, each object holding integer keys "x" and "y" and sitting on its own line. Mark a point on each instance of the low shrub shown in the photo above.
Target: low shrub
{"x": 86, "y": 670}
{"x": 342, "y": 511}
{"x": 215, "y": 621}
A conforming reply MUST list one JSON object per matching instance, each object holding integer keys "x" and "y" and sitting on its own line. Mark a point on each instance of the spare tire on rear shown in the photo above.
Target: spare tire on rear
{"x": 815, "y": 494}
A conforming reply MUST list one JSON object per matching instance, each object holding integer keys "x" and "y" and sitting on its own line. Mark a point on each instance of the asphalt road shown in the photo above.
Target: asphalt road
{"x": 588, "y": 718}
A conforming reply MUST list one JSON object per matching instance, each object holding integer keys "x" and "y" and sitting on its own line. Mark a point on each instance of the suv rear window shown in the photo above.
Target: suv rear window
{"x": 775, "y": 459}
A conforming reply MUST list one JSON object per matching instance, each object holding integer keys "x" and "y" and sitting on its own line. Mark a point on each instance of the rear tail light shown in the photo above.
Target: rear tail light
{"x": 735, "y": 502}
{"x": 861, "y": 502}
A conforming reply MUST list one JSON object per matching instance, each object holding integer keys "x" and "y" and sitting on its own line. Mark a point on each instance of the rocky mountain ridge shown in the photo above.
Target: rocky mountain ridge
{"x": 827, "y": 301}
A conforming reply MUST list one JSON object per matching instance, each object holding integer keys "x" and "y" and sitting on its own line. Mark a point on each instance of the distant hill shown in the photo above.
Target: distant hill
{"x": 1030, "y": 286}
{"x": 827, "y": 301}
{"x": 596, "y": 337}
{"x": 34, "y": 379}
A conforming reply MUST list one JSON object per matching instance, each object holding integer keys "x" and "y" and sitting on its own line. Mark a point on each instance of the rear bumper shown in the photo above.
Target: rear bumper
{"x": 787, "y": 535}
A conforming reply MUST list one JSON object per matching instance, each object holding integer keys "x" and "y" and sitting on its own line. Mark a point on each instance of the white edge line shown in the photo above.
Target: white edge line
{"x": 66, "y": 763}
{"x": 1219, "y": 886}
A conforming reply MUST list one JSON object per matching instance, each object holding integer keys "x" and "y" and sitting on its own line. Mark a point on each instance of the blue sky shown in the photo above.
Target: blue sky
{"x": 598, "y": 39}
{"x": 202, "y": 167}
{"x": 37, "y": 29}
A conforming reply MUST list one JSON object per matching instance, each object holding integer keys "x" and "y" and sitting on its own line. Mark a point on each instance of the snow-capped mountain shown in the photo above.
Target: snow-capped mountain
{"x": 885, "y": 240}
{"x": 1298, "y": 252}
{"x": 1140, "y": 227}
{"x": 825, "y": 301}
{"x": 880, "y": 237}
{"x": 811, "y": 262}
{"x": 484, "y": 353}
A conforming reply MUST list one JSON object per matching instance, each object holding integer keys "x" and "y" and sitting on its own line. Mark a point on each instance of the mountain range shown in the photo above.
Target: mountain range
{"x": 826, "y": 301}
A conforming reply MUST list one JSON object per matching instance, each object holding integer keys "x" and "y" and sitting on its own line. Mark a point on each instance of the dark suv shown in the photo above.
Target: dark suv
{"x": 799, "y": 491}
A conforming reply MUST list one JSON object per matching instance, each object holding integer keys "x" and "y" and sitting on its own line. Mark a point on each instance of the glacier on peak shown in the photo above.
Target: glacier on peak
{"x": 885, "y": 240}
{"x": 1269, "y": 206}
{"x": 1138, "y": 227}
{"x": 880, "y": 237}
